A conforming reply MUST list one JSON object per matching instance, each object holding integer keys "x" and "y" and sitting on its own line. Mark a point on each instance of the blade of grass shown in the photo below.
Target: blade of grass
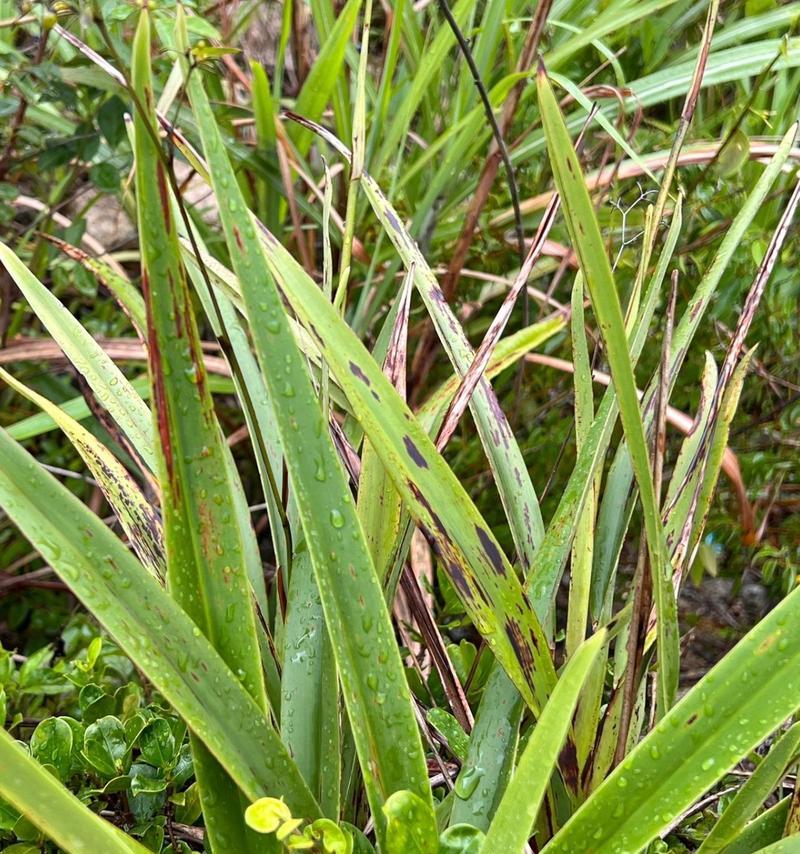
{"x": 139, "y": 519}
{"x": 205, "y": 536}
{"x": 718, "y": 444}
{"x": 517, "y": 811}
{"x": 151, "y": 628}
{"x": 380, "y": 507}
{"x": 78, "y": 409}
{"x": 596, "y": 269}
{"x": 581, "y": 567}
{"x": 310, "y": 689}
{"x": 379, "y": 708}
{"x": 356, "y": 165}
{"x": 103, "y": 376}
{"x": 763, "y": 830}
{"x": 491, "y": 755}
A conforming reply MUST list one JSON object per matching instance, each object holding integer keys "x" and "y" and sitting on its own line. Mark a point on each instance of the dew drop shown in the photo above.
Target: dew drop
{"x": 467, "y": 782}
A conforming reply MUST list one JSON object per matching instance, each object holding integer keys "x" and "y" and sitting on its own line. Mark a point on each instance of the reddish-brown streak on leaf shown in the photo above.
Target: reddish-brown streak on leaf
{"x": 206, "y": 527}
{"x": 238, "y": 237}
{"x": 159, "y": 390}
{"x": 568, "y": 763}
{"x": 413, "y": 452}
{"x": 177, "y": 308}
{"x": 164, "y": 194}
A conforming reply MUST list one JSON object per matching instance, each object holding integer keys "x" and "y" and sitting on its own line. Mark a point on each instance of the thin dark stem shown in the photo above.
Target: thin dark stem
{"x": 19, "y": 116}
{"x": 496, "y": 132}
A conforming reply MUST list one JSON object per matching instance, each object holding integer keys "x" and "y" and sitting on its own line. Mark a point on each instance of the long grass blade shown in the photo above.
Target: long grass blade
{"x": 596, "y": 269}
{"x": 103, "y": 376}
{"x": 206, "y": 538}
{"x": 731, "y": 710}
{"x": 385, "y": 731}
{"x": 516, "y": 814}
{"x": 580, "y": 578}
{"x": 151, "y": 628}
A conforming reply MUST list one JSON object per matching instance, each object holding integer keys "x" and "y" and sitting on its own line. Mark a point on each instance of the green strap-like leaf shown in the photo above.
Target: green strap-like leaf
{"x": 730, "y": 711}
{"x": 588, "y": 243}
{"x": 107, "y": 381}
{"x": 492, "y": 752}
{"x": 373, "y": 683}
{"x": 516, "y": 814}
{"x": 310, "y": 690}
{"x": 208, "y": 537}
{"x": 580, "y": 576}
{"x": 150, "y": 627}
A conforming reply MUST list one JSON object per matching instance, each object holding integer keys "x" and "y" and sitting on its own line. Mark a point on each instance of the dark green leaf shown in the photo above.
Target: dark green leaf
{"x": 104, "y": 745}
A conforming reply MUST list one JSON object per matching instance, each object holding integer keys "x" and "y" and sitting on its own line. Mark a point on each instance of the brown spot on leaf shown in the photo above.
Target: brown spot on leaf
{"x": 568, "y": 763}
{"x": 458, "y": 578}
{"x": 393, "y": 222}
{"x": 414, "y": 453}
{"x": 358, "y": 373}
{"x": 521, "y": 649}
{"x": 492, "y": 552}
